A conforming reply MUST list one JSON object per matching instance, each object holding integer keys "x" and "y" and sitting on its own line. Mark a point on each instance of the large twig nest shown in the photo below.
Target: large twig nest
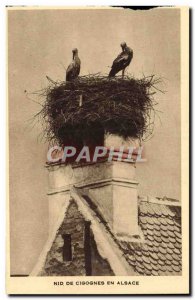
{"x": 92, "y": 105}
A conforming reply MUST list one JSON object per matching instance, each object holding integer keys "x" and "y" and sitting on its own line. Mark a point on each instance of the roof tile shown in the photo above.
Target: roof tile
{"x": 154, "y": 262}
{"x": 178, "y": 234}
{"x": 162, "y": 256}
{"x": 176, "y": 251}
{"x": 150, "y": 243}
{"x": 169, "y": 269}
{"x": 155, "y": 265}
{"x": 170, "y": 222}
{"x": 150, "y": 237}
{"x": 150, "y": 210}
{"x": 157, "y": 233}
{"x": 146, "y": 253}
{"x": 154, "y": 273}
{"x": 172, "y": 239}
{"x": 146, "y": 260}
{"x": 171, "y": 214}
{"x": 139, "y": 253}
{"x": 171, "y": 233}
{"x": 157, "y": 239}
{"x": 163, "y": 221}
{"x": 176, "y": 268}
{"x": 147, "y": 272}
{"x": 169, "y": 263}
{"x": 169, "y": 251}
{"x": 163, "y": 268}
{"x": 143, "y": 209}
{"x": 178, "y": 245}
{"x": 163, "y": 245}
{"x": 177, "y": 228}
{"x": 164, "y": 210}
{"x": 139, "y": 270}
{"x": 155, "y": 249}
{"x": 162, "y": 250}
{"x": 143, "y": 220}
{"x": 150, "y": 229}
{"x": 178, "y": 239}
{"x": 148, "y": 266}
{"x": 164, "y": 233}
{"x": 169, "y": 257}
{"x": 165, "y": 239}
{"x": 156, "y": 210}
{"x": 171, "y": 246}
{"x": 150, "y": 221}
{"x": 139, "y": 265}
{"x": 145, "y": 247}
{"x": 155, "y": 243}
{"x": 170, "y": 228}
{"x": 131, "y": 258}
{"x": 175, "y": 263}
{"x": 161, "y": 263}
{"x": 154, "y": 255}
{"x": 156, "y": 227}
{"x": 164, "y": 227}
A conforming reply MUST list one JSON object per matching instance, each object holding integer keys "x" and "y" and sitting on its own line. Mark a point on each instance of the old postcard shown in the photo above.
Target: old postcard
{"x": 98, "y": 141}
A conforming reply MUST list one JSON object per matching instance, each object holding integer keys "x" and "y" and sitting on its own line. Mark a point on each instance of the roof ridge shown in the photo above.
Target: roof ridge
{"x": 161, "y": 201}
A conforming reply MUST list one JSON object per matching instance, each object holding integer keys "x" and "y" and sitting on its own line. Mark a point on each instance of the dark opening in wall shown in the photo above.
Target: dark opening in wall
{"x": 67, "y": 247}
{"x": 87, "y": 247}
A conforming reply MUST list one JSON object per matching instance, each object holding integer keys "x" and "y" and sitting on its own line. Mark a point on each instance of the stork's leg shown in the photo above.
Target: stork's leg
{"x": 123, "y": 73}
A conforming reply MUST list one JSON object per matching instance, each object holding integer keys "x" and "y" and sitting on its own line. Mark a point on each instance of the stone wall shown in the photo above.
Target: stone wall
{"x": 73, "y": 224}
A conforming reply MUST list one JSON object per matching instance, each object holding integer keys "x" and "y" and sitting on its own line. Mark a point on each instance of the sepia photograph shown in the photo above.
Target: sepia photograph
{"x": 98, "y": 150}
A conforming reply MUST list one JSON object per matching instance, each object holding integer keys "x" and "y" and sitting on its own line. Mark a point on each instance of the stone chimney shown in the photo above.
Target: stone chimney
{"x": 111, "y": 185}
{"x": 116, "y": 197}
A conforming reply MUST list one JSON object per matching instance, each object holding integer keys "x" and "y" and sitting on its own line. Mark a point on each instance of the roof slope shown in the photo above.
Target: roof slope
{"x": 160, "y": 253}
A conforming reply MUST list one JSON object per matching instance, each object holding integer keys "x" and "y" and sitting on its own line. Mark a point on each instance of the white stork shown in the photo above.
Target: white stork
{"x": 73, "y": 69}
{"x": 122, "y": 60}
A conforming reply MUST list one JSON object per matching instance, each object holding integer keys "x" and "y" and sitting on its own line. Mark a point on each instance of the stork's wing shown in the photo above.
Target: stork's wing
{"x": 121, "y": 62}
{"x": 70, "y": 72}
{"x": 73, "y": 69}
{"x": 70, "y": 67}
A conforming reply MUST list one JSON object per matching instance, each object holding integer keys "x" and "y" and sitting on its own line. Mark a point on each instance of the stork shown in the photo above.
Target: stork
{"x": 73, "y": 69}
{"x": 122, "y": 60}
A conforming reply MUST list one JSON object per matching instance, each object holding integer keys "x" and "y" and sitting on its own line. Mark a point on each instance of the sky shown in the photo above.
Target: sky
{"x": 40, "y": 43}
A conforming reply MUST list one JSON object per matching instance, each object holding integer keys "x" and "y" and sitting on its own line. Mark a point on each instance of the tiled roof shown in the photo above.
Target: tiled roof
{"x": 159, "y": 253}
